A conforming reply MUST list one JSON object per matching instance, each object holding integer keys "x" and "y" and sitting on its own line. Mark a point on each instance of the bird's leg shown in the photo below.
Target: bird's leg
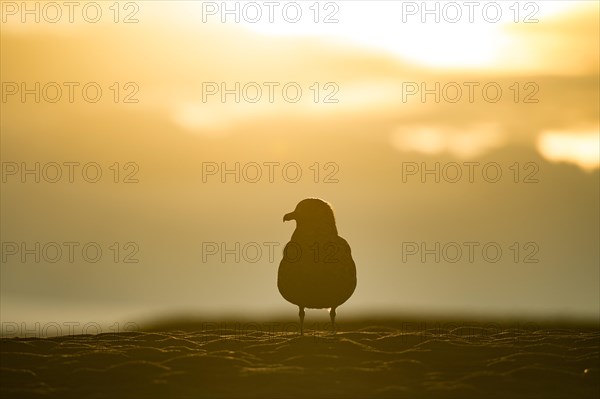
{"x": 332, "y": 316}
{"x": 301, "y": 314}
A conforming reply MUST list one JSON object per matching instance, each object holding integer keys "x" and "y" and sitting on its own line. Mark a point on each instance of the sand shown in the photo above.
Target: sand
{"x": 362, "y": 360}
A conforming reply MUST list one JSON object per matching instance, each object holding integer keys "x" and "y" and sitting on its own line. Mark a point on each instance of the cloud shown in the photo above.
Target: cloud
{"x": 581, "y": 148}
{"x": 464, "y": 143}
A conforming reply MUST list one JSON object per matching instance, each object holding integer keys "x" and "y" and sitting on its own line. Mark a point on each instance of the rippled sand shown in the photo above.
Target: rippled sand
{"x": 373, "y": 361}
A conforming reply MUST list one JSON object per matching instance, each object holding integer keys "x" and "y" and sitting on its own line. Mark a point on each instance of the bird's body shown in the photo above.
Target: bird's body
{"x": 317, "y": 270}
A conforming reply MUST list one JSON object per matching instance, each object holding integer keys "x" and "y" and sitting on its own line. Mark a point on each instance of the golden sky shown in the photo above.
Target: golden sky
{"x": 368, "y": 61}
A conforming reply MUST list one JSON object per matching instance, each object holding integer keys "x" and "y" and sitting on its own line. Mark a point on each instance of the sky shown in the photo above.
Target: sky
{"x": 159, "y": 132}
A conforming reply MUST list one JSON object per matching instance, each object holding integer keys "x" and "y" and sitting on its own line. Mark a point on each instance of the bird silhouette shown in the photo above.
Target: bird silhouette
{"x": 317, "y": 270}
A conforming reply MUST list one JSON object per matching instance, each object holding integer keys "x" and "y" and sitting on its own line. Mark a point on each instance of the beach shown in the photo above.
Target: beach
{"x": 361, "y": 360}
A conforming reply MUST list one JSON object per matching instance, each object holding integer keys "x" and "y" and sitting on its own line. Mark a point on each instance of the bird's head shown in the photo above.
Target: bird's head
{"x": 313, "y": 213}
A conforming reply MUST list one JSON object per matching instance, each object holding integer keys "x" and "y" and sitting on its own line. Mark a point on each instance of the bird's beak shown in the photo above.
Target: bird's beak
{"x": 289, "y": 216}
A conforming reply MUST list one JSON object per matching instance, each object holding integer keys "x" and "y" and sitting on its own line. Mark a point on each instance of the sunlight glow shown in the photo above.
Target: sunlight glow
{"x": 388, "y": 27}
